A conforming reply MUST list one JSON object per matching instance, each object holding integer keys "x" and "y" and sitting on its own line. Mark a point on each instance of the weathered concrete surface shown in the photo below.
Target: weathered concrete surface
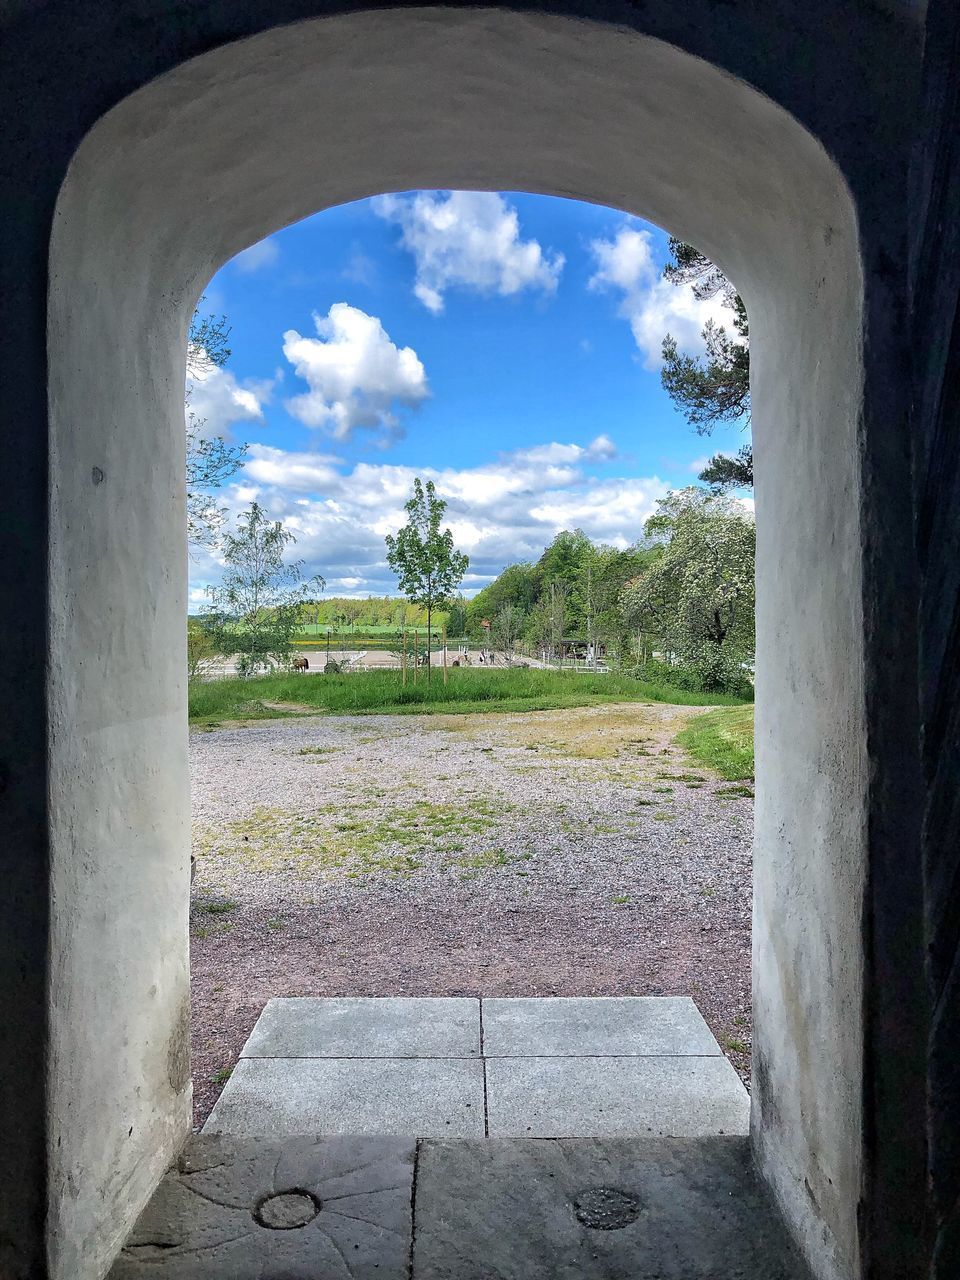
{"x": 425, "y": 1097}
{"x": 612, "y": 1025}
{"x": 568, "y": 1097}
{"x": 502, "y": 1210}
{"x": 401, "y": 1027}
{"x": 674, "y": 1081}
{"x": 304, "y": 1209}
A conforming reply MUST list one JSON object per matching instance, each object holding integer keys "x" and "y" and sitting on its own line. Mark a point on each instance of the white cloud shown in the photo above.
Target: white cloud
{"x": 356, "y": 375}
{"x": 653, "y": 306}
{"x": 469, "y": 239}
{"x": 500, "y": 512}
{"x": 601, "y": 449}
{"x": 217, "y": 400}
{"x": 298, "y": 472}
{"x": 260, "y": 255}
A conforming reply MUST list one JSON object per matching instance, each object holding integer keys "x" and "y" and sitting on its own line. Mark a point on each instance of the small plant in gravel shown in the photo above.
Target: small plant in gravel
{"x": 668, "y": 791}
{"x": 222, "y": 1076}
{"x": 735, "y": 1045}
{"x": 472, "y": 864}
{"x": 664, "y": 816}
{"x": 620, "y": 899}
{"x": 217, "y": 906}
{"x": 317, "y": 751}
{"x": 739, "y": 790}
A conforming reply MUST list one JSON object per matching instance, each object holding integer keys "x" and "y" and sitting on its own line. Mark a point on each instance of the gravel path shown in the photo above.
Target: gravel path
{"x": 572, "y": 852}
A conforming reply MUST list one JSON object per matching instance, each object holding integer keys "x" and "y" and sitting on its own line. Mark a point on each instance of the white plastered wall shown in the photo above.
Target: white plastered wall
{"x": 218, "y": 154}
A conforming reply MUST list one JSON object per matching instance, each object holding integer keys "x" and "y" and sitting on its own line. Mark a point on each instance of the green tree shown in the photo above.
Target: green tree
{"x": 457, "y": 618}
{"x": 211, "y": 460}
{"x": 698, "y": 596}
{"x": 256, "y": 610}
{"x": 507, "y": 628}
{"x": 715, "y": 387}
{"x": 423, "y": 557}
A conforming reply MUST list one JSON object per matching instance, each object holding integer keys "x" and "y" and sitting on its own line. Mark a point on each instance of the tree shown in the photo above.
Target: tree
{"x": 210, "y": 459}
{"x": 255, "y": 611}
{"x": 698, "y": 596}
{"x": 423, "y": 557}
{"x": 549, "y": 618}
{"x": 508, "y": 628}
{"x": 457, "y": 618}
{"x": 716, "y": 387}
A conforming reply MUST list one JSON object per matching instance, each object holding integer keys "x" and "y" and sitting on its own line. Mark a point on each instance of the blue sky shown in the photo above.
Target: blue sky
{"x": 506, "y": 345}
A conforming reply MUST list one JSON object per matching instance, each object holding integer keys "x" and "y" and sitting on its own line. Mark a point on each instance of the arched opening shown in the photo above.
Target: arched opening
{"x": 561, "y": 847}
{"x": 216, "y": 155}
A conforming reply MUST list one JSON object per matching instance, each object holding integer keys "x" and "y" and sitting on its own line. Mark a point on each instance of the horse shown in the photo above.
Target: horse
{"x": 301, "y": 664}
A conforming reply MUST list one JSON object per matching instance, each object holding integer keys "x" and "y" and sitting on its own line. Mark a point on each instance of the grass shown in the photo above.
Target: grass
{"x": 382, "y": 692}
{"x": 348, "y": 839}
{"x": 722, "y": 740}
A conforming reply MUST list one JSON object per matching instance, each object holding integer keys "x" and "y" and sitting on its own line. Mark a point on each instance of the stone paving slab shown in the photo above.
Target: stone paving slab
{"x": 616, "y": 1096}
{"x": 591, "y": 1209}
{"x": 576, "y": 1026}
{"x": 425, "y": 1097}
{"x": 301, "y": 1209}
{"x": 401, "y": 1027}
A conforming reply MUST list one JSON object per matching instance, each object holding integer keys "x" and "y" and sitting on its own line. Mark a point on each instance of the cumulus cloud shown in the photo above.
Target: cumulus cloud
{"x": 471, "y": 240}
{"x": 257, "y": 257}
{"x": 601, "y": 449}
{"x": 217, "y": 400}
{"x": 357, "y": 377}
{"x": 652, "y": 306}
{"x": 500, "y": 512}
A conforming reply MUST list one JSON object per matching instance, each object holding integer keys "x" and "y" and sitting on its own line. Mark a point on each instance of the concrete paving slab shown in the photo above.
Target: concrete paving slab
{"x": 402, "y": 1027}
{"x": 426, "y": 1097}
{"x": 241, "y": 1209}
{"x": 590, "y": 1209}
{"x": 616, "y": 1096}
{"x": 586, "y": 1026}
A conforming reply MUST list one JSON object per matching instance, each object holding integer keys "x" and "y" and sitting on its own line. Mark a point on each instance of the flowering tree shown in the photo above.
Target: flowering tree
{"x": 698, "y": 595}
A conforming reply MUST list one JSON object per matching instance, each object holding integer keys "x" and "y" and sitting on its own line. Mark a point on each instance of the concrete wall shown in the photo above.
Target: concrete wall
{"x": 220, "y": 151}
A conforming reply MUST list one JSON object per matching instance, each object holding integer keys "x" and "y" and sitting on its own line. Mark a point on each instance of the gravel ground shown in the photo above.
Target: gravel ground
{"x": 550, "y": 853}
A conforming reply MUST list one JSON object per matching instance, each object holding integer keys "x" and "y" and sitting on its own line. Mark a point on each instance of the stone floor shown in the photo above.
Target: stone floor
{"x": 465, "y": 1068}
{"x": 366, "y": 1208}
{"x": 595, "y": 1139}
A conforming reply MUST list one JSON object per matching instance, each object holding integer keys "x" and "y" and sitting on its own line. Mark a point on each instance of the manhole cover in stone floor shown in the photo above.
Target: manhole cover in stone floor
{"x": 287, "y": 1210}
{"x": 606, "y": 1208}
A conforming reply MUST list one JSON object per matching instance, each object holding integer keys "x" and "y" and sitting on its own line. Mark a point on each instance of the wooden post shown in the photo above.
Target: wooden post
{"x": 443, "y": 641}
{"x": 403, "y": 661}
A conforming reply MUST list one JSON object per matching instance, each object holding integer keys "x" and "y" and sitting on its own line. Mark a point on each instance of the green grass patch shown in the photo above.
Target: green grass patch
{"x": 214, "y": 702}
{"x": 722, "y": 740}
{"x": 346, "y": 839}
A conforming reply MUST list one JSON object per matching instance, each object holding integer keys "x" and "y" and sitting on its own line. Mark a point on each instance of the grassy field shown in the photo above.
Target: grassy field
{"x": 381, "y": 692}
{"x": 723, "y": 740}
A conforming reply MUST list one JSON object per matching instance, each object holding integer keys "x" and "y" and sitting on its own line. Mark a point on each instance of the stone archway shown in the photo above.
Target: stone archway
{"x": 217, "y": 153}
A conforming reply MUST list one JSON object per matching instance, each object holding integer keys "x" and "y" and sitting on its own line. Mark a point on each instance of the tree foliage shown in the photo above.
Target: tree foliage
{"x": 697, "y": 595}
{"x": 255, "y": 611}
{"x": 211, "y": 460}
{"x": 422, "y": 555}
{"x": 715, "y": 387}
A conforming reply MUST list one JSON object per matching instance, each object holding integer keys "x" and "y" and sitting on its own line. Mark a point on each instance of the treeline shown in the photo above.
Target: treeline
{"x": 345, "y": 613}
{"x": 678, "y": 604}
